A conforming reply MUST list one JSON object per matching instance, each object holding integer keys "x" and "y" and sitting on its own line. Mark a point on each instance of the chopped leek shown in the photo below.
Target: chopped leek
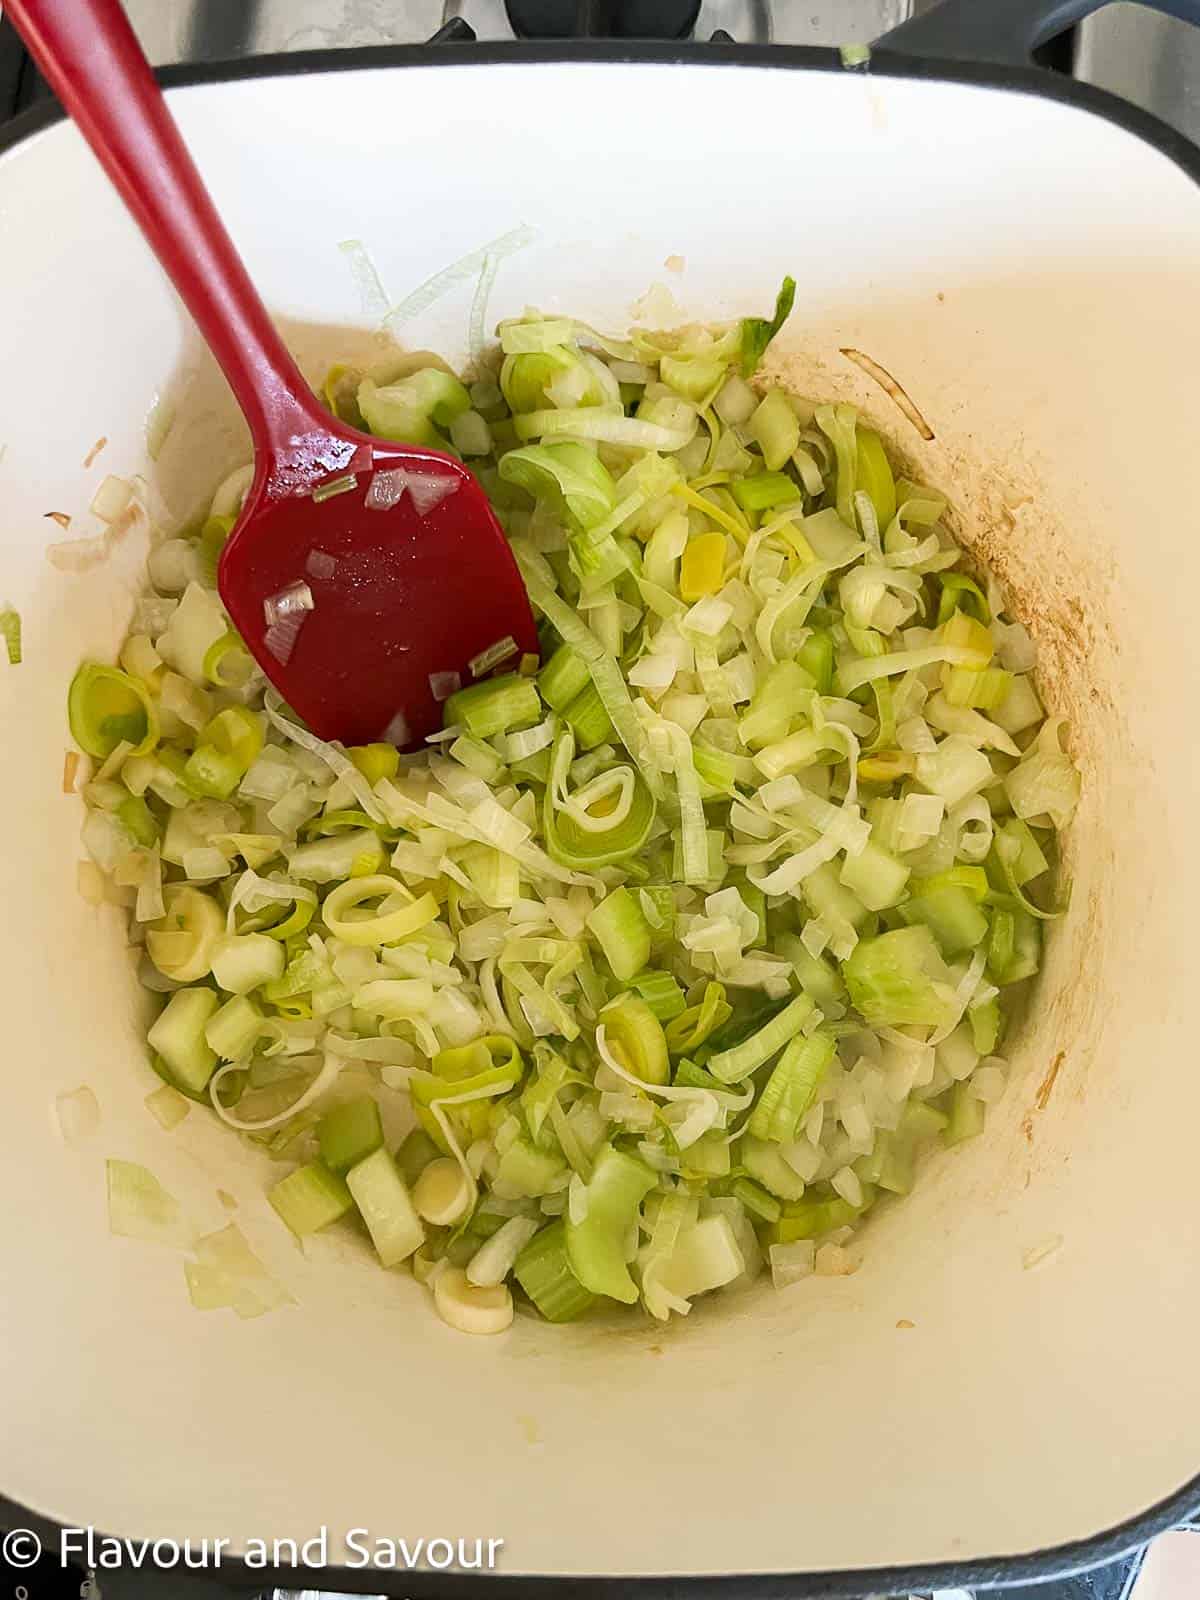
{"x": 757, "y": 332}
{"x": 792, "y": 1087}
{"x": 676, "y": 938}
{"x": 596, "y": 1243}
{"x": 107, "y": 707}
{"x": 10, "y": 632}
{"x": 737, "y": 1062}
{"x": 635, "y": 1036}
{"x": 606, "y": 820}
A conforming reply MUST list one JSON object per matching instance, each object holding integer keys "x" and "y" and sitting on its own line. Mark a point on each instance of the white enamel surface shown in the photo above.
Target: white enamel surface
{"x": 773, "y": 1433}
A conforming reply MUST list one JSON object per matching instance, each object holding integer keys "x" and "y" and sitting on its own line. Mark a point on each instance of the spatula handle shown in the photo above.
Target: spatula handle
{"x": 89, "y": 55}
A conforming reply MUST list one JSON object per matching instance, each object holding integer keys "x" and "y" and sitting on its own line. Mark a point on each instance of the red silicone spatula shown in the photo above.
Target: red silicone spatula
{"x": 408, "y": 573}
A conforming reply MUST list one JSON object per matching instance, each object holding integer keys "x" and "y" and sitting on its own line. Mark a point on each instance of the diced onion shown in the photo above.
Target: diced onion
{"x": 280, "y": 638}
{"x": 320, "y": 565}
{"x": 293, "y": 601}
{"x": 111, "y": 499}
{"x": 492, "y": 656}
{"x": 426, "y": 488}
{"x": 78, "y": 1114}
{"x": 443, "y": 684}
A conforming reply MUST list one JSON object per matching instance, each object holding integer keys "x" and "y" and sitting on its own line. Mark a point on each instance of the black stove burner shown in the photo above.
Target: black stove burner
{"x": 602, "y": 19}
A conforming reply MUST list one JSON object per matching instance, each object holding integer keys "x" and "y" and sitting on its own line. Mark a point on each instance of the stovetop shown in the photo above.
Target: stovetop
{"x": 1150, "y": 59}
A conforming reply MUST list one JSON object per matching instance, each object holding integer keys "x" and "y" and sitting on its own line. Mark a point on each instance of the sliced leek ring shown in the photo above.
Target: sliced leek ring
{"x": 469, "y": 1309}
{"x": 182, "y": 942}
{"x": 442, "y": 1194}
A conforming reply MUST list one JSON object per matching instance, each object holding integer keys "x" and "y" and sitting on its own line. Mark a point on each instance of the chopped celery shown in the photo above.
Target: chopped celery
{"x": 661, "y": 993}
{"x": 763, "y": 491}
{"x": 966, "y": 1115}
{"x": 984, "y": 1019}
{"x": 952, "y": 915}
{"x": 877, "y": 878}
{"x": 589, "y": 719}
{"x": 543, "y": 1270}
{"x": 495, "y": 706}
{"x": 708, "y": 1157}
{"x": 232, "y": 1030}
{"x": 922, "y": 1121}
{"x": 756, "y": 1199}
{"x": 563, "y": 677}
{"x": 1014, "y": 946}
{"x": 714, "y": 868}
{"x": 622, "y": 932}
{"x": 136, "y": 815}
{"x": 898, "y": 978}
{"x": 596, "y": 1244}
{"x": 764, "y": 1163}
{"x": 819, "y": 978}
{"x": 896, "y": 1164}
{"x": 382, "y": 1198}
{"x": 311, "y": 1198}
{"x": 706, "y": 1256}
{"x": 528, "y": 1171}
{"x": 349, "y": 1133}
{"x": 178, "y": 1037}
{"x": 810, "y": 1219}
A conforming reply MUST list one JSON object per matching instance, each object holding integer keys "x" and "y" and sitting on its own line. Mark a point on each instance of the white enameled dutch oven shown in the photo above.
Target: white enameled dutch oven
{"x": 1023, "y": 254}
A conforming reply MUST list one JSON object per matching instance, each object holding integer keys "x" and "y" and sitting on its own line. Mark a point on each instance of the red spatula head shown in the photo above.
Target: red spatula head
{"x": 359, "y": 605}
{"x": 350, "y": 603}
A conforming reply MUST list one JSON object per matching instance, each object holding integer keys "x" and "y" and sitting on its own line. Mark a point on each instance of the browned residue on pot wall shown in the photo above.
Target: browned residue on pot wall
{"x": 1062, "y": 590}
